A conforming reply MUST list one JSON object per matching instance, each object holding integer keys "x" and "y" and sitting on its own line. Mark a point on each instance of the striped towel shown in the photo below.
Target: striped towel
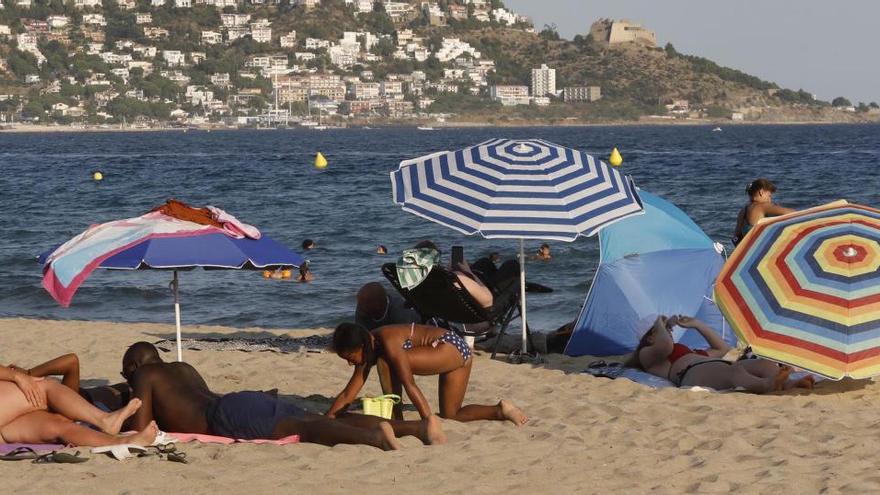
{"x": 415, "y": 265}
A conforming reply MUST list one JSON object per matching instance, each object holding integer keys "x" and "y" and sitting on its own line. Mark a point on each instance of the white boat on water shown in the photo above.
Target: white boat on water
{"x": 717, "y": 129}
{"x": 423, "y": 128}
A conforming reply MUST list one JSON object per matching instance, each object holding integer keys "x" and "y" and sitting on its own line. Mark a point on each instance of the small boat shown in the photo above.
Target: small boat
{"x": 422, "y": 128}
{"x": 717, "y": 129}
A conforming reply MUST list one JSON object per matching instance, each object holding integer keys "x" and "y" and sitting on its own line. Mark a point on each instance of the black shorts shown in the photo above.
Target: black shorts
{"x": 249, "y": 415}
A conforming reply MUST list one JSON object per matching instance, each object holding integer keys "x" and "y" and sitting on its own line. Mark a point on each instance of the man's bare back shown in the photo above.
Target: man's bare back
{"x": 174, "y": 395}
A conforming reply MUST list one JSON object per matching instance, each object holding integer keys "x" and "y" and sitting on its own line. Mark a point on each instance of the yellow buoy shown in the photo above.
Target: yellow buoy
{"x": 615, "y": 158}
{"x": 98, "y": 176}
{"x": 320, "y": 161}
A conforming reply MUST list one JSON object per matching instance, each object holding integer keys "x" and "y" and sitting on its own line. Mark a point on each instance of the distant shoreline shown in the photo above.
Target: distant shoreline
{"x": 39, "y": 129}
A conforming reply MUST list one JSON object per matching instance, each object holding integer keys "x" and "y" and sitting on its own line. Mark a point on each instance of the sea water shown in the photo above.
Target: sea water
{"x": 267, "y": 178}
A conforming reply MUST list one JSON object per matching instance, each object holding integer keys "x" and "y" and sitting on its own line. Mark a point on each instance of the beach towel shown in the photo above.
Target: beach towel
{"x": 233, "y": 226}
{"x": 618, "y": 370}
{"x": 69, "y": 265}
{"x": 415, "y": 265}
{"x": 195, "y": 437}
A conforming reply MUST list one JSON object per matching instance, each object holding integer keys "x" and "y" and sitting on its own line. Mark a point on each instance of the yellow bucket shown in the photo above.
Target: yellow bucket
{"x": 381, "y": 406}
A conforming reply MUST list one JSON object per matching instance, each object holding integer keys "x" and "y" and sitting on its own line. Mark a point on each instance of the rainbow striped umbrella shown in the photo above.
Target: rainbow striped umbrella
{"x": 804, "y": 289}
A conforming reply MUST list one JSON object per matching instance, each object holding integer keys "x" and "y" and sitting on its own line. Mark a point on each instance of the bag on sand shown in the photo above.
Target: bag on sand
{"x": 381, "y": 406}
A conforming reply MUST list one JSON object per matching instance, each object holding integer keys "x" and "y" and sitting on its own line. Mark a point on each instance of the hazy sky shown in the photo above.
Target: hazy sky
{"x": 829, "y": 48}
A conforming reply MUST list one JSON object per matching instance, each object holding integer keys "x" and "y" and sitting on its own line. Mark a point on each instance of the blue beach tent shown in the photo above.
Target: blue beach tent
{"x": 657, "y": 263}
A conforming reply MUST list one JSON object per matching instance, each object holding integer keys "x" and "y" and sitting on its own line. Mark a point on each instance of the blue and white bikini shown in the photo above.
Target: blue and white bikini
{"x": 449, "y": 337}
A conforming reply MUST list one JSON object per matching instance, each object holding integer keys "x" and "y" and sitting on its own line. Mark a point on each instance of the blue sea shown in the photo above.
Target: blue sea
{"x": 267, "y": 178}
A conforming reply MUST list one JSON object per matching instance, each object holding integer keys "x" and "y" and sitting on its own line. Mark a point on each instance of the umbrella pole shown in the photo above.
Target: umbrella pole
{"x": 522, "y": 297}
{"x": 175, "y": 283}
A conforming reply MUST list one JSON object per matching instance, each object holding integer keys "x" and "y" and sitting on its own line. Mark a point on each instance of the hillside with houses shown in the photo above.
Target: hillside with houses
{"x": 154, "y": 63}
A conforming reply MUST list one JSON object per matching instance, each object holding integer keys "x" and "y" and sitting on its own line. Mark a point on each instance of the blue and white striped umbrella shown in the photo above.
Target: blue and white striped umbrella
{"x": 521, "y": 189}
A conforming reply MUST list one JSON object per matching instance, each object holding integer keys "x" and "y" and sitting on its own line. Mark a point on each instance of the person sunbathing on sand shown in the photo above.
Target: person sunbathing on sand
{"x": 178, "y": 398}
{"x": 38, "y": 410}
{"x": 401, "y": 351}
{"x": 659, "y": 355}
{"x": 107, "y": 397}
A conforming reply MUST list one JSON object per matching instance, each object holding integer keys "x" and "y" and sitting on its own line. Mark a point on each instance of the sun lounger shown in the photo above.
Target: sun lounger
{"x": 441, "y": 296}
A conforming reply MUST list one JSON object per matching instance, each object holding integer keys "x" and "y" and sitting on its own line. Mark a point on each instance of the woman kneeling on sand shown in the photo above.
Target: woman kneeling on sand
{"x": 659, "y": 355}
{"x": 402, "y": 351}
{"x": 37, "y": 410}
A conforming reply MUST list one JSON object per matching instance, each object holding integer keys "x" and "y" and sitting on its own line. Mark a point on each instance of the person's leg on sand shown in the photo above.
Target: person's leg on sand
{"x": 330, "y": 432}
{"x": 427, "y": 430}
{"x": 452, "y": 388}
{"x": 70, "y": 404}
{"x": 46, "y": 427}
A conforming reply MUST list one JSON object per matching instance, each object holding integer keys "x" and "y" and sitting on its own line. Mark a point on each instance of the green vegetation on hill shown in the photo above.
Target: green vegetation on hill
{"x": 634, "y": 80}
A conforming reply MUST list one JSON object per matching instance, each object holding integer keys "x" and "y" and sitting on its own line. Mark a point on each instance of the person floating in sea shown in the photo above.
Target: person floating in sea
{"x": 658, "y": 355}
{"x": 401, "y": 351}
{"x": 543, "y": 253}
{"x": 177, "y": 397}
{"x": 381, "y": 249}
{"x": 305, "y": 273}
{"x": 760, "y": 205}
{"x": 308, "y": 245}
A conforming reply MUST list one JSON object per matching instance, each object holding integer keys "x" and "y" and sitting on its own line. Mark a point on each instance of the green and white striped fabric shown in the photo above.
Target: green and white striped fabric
{"x": 414, "y": 265}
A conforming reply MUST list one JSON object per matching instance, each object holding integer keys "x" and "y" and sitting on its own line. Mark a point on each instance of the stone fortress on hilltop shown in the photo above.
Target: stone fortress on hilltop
{"x": 615, "y": 32}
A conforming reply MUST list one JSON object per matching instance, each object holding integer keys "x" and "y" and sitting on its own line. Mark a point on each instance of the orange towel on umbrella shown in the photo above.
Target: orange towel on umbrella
{"x": 182, "y": 211}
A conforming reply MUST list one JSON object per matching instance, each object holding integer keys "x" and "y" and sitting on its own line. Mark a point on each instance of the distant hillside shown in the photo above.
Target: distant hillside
{"x": 150, "y": 61}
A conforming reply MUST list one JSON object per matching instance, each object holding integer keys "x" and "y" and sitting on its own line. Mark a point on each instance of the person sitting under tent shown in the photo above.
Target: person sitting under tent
{"x": 40, "y": 410}
{"x": 401, "y": 351}
{"x": 760, "y": 206}
{"x": 658, "y": 355}
{"x": 376, "y": 308}
{"x": 178, "y": 398}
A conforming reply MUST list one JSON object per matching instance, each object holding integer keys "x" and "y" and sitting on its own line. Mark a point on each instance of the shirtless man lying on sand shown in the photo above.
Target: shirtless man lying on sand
{"x": 39, "y": 410}
{"x": 177, "y": 397}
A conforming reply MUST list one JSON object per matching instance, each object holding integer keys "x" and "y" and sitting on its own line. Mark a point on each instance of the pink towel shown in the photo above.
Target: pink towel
{"x": 233, "y": 226}
{"x": 195, "y": 437}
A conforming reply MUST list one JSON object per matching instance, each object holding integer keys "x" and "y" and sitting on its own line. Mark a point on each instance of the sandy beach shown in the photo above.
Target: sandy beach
{"x": 586, "y": 434}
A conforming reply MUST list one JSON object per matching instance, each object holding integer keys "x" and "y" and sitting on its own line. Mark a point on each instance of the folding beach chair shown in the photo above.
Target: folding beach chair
{"x": 442, "y": 297}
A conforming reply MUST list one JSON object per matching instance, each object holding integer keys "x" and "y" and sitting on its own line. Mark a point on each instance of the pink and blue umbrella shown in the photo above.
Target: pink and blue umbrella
{"x": 156, "y": 241}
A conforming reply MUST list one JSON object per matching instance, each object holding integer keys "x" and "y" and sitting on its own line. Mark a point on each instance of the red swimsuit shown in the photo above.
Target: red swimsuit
{"x": 681, "y": 350}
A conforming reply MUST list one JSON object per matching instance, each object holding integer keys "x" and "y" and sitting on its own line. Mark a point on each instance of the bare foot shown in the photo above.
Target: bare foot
{"x": 781, "y": 378}
{"x": 432, "y": 432}
{"x": 512, "y": 413}
{"x": 806, "y": 382}
{"x": 112, "y": 423}
{"x": 387, "y": 440}
{"x": 144, "y": 437}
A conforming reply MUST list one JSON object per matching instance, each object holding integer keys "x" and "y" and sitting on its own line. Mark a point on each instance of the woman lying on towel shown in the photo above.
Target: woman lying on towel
{"x": 659, "y": 355}
{"x": 402, "y": 351}
{"x": 39, "y": 410}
